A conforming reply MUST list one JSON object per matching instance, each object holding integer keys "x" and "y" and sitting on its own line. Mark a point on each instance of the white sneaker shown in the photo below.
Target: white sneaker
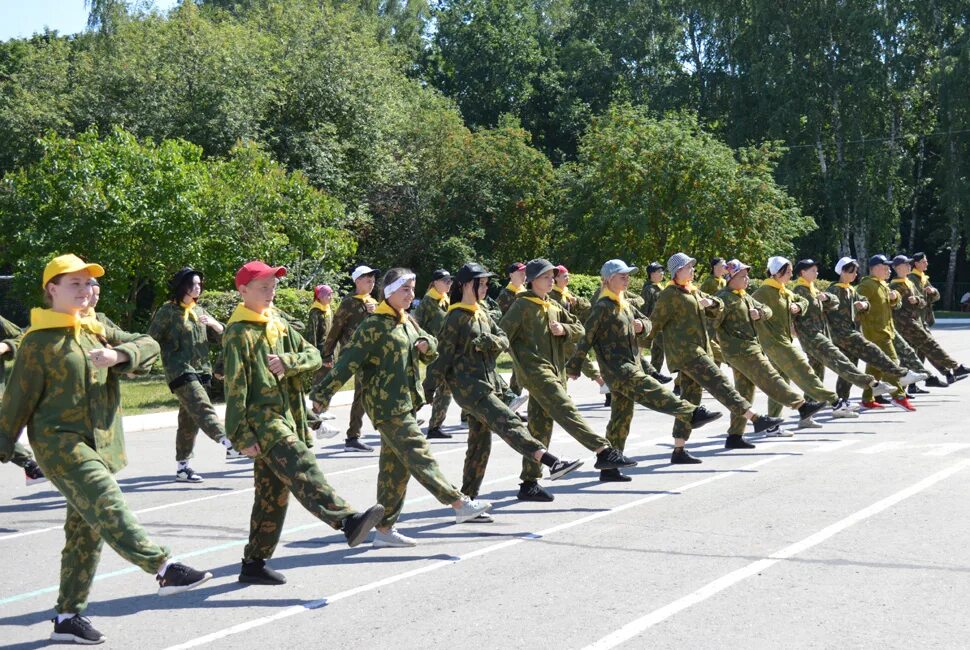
{"x": 325, "y": 431}
{"x": 232, "y": 453}
{"x": 604, "y": 389}
{"x": 881, "y": 388}
{"x": 471, "y": 508}
{"x": 808, "y": 423}
{"x": 519, "y": 402}
{"x": 186, "y": 475}
{"x": 843, "y": 411}
{"x": 392, "y": 539}
{"x": 326, "y": 415}
{"x": 912, "y": 377}
{"x": 778, "y": 432}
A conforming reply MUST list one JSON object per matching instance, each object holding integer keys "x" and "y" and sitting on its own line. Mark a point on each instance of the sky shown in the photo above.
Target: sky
{"x": 21, "y": 18}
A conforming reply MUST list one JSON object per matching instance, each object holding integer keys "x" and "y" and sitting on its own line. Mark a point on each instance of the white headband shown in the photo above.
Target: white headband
{"x": 397, "y": 284}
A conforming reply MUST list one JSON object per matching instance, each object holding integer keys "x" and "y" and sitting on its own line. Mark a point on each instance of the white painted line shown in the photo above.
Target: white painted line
{"x": 883, "y": 447}
{"x": 486, "y": 550}
{"x": 946, "y": 448}
{"x": 630, "y": 630}
{"x": 829, "y": 447}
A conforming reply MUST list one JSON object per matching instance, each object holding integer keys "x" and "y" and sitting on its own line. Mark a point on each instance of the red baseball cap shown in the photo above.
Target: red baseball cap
{"x": 560, "y": 270}
{"x": 257, "y": 269}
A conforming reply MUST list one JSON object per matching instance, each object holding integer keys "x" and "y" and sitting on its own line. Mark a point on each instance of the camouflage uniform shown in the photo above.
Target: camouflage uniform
{"x": 319, "y": 322}
{"x": 11, "y": 335}
{"x": 383, "y": 356}
{"x": 469, "y": 345}
{"x": 430, "y": 315}
{"x": 580, "y": 308}
{"x": 923, "y": 285}
{"x": 711, "y": 285}
{"x": 267, "y": 410}
{"x": 742, "y": 350}
{"x": 877, "y": 326}
{"x": 72, "y": 411}
{"x": 506, "y": 297}
{"x": 539, "y": 359}
{"x": 909, "y": 322}
{"x": 610, "y": 331}
{"x": 184, "y": 341}
{"x": 351, "y": 312}
{"x": 651, "y": 292}
{"x": 775, "y": 335}
{"x": 679, "y": 316}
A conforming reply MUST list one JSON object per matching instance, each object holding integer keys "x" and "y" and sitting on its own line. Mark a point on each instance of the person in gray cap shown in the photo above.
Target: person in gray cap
{"x": 681, "y": 315}
{"x": 430, "y": 315}
{"x": 615, "y": 329}
{"x": 651, "y": 291}
{"x": 538, "y": 329}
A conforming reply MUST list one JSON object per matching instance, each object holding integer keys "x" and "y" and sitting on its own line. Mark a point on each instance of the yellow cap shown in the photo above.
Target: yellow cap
{"x": 69, "y": 264}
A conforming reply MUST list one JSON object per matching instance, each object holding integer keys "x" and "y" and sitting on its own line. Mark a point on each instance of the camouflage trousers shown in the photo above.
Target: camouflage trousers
{"x": 823, "y": 353}
{"x": 486, "y": 415}
{"x": 514, "y": 385}
{"x": 701, "y": 372}
{"x": 356, "y": 411}
{"x": 856, "y": 347}
{"x": 589, "y": 368}
{"x": 288, "y": 467}
{"x": 439, "y": 406}
{"x": 642, "y": 389}
{"x": 21, "y": 455}
{"x": 907, "y": 355}
{"x": 923, "y": 342}
{"x": 405, "y": 452}
{"x": 657, "y": 352}
{"x": 96, "y": 513}
{"x": 548, "y": 403}
{"x": 752, "y": 369}
{"x": 792, "y": 364}
{"x": 195, "y": 412}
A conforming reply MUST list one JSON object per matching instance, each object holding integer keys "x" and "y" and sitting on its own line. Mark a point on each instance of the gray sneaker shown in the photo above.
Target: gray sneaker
{"x": 354, "y": 444}
{"x": 471, "y": 508}
{"x": 519, "y": 402}
{"x": 392, "y": 539}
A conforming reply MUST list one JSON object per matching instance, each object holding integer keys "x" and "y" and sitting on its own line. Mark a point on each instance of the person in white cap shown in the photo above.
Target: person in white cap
{"x": 681, "y": 314}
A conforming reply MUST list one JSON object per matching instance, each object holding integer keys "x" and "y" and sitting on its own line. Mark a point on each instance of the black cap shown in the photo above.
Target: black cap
{"x": 876, "y": 260}
{"x": 471, "y": 271}
{"x": 919, "y": 257}
{"x": 901, "y": 259}
{"x": 514, "y": 266}
{"x": 653, "y": 267}
{"x": 440, "y": 274}
{"x": 717, "y": 260}
{"x": 802, "y": 265}
{"x": 537, "y": 267}
{"x": 180, "y": 277}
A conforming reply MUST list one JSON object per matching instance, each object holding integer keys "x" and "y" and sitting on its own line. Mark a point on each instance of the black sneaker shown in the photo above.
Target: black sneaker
{"x": 435, "y": 432}
{"x": 765, "y": 422}
{"x": 77, "y": 629}
{"x": 562, "y": 467}
{"x": 702, "y": 416}
{"x": 935, "y": 382}
{"x": 614, "y": 476}
{"x": 953, "y": 377}
{"x": 179, "y": 578}
{"x": 882, "y": 399}
{"x": 187, "y": 475}
{"x": 735, "y": 441}
{"x": 681, "y": 457}
{"x": 255, "y": 572}
{"x": 532, "y": 491}
{"x": 464, "y": 417}
{"x": 609, "y": 400}
{"x": 677, "y": 390}
{"x": 809, "y": 408}
{"x": 613, "y": 458}
{"x": 913, "y": 389}
{"x": 33, "y": 473}
{"x": 354, "y": 444}
{"x": 961, "y": 371}
{"x": 662, "y": 378}
{"x": 358, "y": 526}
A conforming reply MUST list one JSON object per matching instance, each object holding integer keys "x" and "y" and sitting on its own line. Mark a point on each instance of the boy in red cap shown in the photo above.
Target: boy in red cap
{"x": 265, "y": 358}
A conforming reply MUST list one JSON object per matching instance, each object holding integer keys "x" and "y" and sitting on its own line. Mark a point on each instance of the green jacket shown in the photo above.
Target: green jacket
{"x": 877, "y": 321}
{"x": 350, "y": 314}
{"x": 10, "y": 334}
{"x": 468, "y": 347}
{"x": 72, "y": 410}
{"x": 578, "y": 307}
{"x": 777, "y": 330}
{"x": 382, "y": 356}
{"x": 184, "y": 342}
{"x": 736, "y": 331}
{"x": 679, "y": 313}
{"x": 815, "y": 320}
{"x": 908, "y": 313}
{"x": 260, "y": 407}
{"x": 494, "y": 311}
{"x": 711, "y": 286}
{"x": 922, "y": 282}
{"x": 537, "y": 355}
{"x": 843, "y": 319}
{"x": 609, "y": 331}
{"x": 505, "y": 299}
{"x": 631, "y": 298}
{"x": 319, "y": 324}
{"x": 430, "y": 314}
{"x": 650, "y": 294}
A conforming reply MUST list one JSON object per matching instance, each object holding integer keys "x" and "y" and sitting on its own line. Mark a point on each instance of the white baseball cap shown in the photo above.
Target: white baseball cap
{"x": 844, "y": 262}
{"x": 361, "y": 271}
{"x": 776, "y": 263}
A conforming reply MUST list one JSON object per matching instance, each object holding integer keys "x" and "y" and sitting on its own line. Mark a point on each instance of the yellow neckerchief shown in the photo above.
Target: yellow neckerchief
{"x": 475, "y": 310}
{"x": 515, "y": 288}
{"x": 845, "y": 285}
{"x": 802, "y": 282}
{"x": 275, "y": 326}
{"x": 566, "y": 293}
{"x": 187, "y": 312}
{"x": 923, "y": 276}
{"x": 739, "y": 292}
{"x": 319, "y": 305}
{"x": 539, "y": 301}
{"x": 619, "y": 299}
{"x": 442, "y": 300}
{"x": 387, "y": 310}
{"x": 48, "y": 319}
{"x": 689, "y": 287}
{"x": 721, "y": 282}
{"x": 662, "y": 284}
{"x": 775, "y": 284}
{"x": 905, "y": 281}
{"x": 365, "y": 298}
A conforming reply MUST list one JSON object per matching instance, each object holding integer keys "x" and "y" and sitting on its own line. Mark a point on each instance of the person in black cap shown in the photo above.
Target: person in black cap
{"x": 711, "y": 285}
{"x": 430, "y": 315}
{"x": 508, "y": 294}
{"x": 184, "y": 331}
{"x": 921, "y": 280}
{"x": 651, "y": 291}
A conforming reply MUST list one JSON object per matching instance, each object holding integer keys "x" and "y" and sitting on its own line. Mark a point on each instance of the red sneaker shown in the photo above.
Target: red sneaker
{"x": 872, "y": 405}
{"x": 904, "y": 403}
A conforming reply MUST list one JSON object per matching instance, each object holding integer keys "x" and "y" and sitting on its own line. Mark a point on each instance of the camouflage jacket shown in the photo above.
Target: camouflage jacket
{"x": 10, "y": 334}
{"x": 350, "y": 314}
{"x": 72, "y": 410}
{"x": 735, "y": 328}
{"x": 877, "y": 321}
{"x": 843, "y": 319}
{"x": 537, "y": 355}
{"x": 630, "y": 297}
{"x": 468, "y": 347}
{"x": 261, "y": 407}
{"x": 184, "y": 342}
{"x": 650, "y": 294}
{"x": 318, "y": 326}
{"x": 908, "y": 314}
{"x": 922, "y": 283}
{"x": 777, "y": 330}
{"x": 430, "y": 314}
{"x": 494, "y": 311}
{"x": 679, "y": 313}
{"x": 815, "y": 320}
{"x": 711, "y": 286}
{"x": 383, "y": 357}
{"x": 505, "y": 299}
{"x": 577, "y": 306}
{"x": 609, "y": 331}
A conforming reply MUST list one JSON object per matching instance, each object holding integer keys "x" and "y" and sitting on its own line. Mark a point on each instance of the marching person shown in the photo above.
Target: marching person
{"x": 651, "y": 291}
{"x": 507, "y": 296}
{"x": 318, "y": 326}
{"x": 266, "y": 359}
{"x": 430, "y": 315}
{"x": 580, "y": 308}
{"x": 91, "y": 311}
{"x": 713, "y": 283}
{"x": 384, "y": 355}
{"x": 64, "y": 388}
{"x": 22, "y": 457}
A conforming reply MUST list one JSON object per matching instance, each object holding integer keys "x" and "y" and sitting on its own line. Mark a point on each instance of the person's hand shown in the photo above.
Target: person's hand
{"x": 556, "y": 328}
{"x": 422, "y": 346}
{"x": 638, "y": 326}
{"x": 204, "y": 319}
{"x": 913, "y": 300}
{"x": 572, "y": 376}
{"x": 794, "y": 308}
{"x": 317, "y": 407}
{"x": 4, "y": 348}
{"x": 276, "y": 365}
{"x": 755, "y": 314}
{"x": 106, "y": 357}
{"x": 706, "y": 302}
{"x": 370, "y": 307}
{"x": 822, "y": 296}
{"x": 893, "y": 295}
{"x": 250, "y": 452}
{"x": 861, "y": 305}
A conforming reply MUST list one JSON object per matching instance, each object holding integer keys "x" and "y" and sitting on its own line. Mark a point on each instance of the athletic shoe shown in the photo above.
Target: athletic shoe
{"x": 325, "y": 431}
{"x": 33, "y": 474}
{"x": 936, "y": 382}
{"x": 677, "y": 390}
{"x": 609, "y": 400}
{"x": 255, "y": 572}
{"x": 354, "y": 444}
{"x": 882, "y": 399}
{"x": 519, "y": 402}
{"x": 179, "y": 578}
{"x": 187, "y": 475}
{"x": 234, "y": 454}
{"x": 681, "y": 457}
{"x": 808, "y": 423}
{"x": 961, "y": 371}
{"x": 872, "y": 405}
{"x": 483, "y": 518}
{"x": 326, "y": 415}
{"x": 881, "y": 388}
{"x": 841, "y": 410}
{"x": 76, "y": 629}
{"x": 420, "y": 421}
{"x": 604, "y": 389}
{"x": 614, "y": 476}
{"x": 810, "y": 408}
{"x": 765, "y": 422}
{"x": 356, "y": 527}
{"x": 613, "y": 458}
{"x": 778, "y": 432}
{"x": 471, "y": 508}
{"x": 736, "y": 441}
{"x": 912, "y": 390}
{"x": 903, "y": 402}
{"x": 952, "y": 377}
{"x": 532, "y": 491}
{"x": 392, "y": 539}
{"x": 912, "y": 377}
{"x": 702, "y": 416}
{"x": 562, "y": 467}
{"x": 436, "y": 433}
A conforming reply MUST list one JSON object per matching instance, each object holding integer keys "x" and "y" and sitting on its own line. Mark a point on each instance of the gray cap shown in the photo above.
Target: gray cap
{"x": 535, "y": 268}
{"x": 678, "y": 261}
{"x": 612, "y": 267}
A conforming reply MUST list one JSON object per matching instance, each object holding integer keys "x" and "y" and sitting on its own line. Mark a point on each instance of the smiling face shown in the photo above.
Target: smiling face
{"x": 403, "y": 297}
{"x": 259, "y": 294}
{"x": 70, "y": 293}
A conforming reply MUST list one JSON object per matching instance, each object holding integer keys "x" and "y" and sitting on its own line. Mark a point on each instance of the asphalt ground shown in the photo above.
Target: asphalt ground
{"x": 854, "y": 535}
